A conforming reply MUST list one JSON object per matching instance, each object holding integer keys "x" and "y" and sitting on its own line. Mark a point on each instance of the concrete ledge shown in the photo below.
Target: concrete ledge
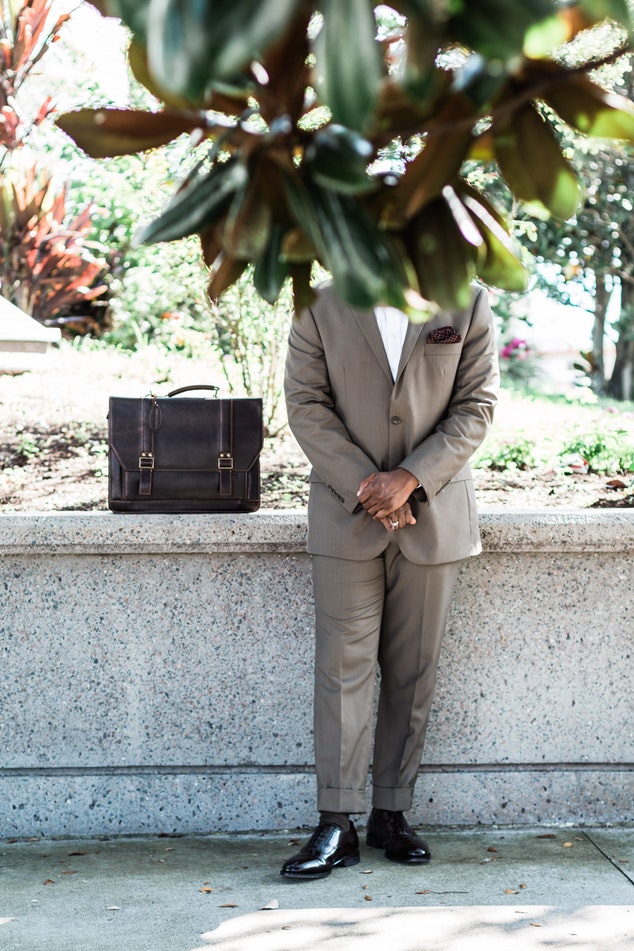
{"x": 95, "y": 533}
{"x": 155, "y": 674}
{"x": 147, "y": 802}
{"x": 604, "y": 530}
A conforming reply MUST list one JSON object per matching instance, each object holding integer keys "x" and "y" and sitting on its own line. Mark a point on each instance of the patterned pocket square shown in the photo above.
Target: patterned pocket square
{"x": 443, "y": 335}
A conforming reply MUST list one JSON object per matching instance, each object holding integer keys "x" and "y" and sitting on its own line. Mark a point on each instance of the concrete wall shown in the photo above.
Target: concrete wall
{"x": 155, "y": 675}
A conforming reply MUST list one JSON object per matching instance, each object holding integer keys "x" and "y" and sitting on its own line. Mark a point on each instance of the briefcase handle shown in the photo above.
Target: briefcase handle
{"x": 200, "y": 386}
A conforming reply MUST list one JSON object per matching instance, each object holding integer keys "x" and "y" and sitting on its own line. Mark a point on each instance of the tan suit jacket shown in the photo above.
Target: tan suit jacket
{"x": 352, "y": 419}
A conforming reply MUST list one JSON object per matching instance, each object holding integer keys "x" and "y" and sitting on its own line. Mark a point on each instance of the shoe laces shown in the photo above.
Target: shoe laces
{"x": 396, "y": 823}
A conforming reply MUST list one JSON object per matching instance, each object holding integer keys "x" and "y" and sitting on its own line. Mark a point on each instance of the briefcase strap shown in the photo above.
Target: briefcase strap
{"x": 150, "y": 423}
{"x": 225, "y": 446}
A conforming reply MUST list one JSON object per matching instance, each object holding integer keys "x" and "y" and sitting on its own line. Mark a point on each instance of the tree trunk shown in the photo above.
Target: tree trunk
{"x": 601, "y": 301}
{"x": 621, "y": 384}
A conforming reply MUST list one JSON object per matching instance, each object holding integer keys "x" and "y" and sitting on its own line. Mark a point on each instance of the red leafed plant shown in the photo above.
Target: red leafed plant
{"x": 26, "y": 32}
{"x": 47, "y": 268}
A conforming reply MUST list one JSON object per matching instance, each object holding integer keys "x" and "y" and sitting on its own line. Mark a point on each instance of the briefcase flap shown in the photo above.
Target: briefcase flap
{"x": 186, "y": 433}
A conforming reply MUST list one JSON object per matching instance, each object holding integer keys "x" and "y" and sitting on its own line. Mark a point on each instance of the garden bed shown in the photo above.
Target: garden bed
{"x": 53, "y": 438}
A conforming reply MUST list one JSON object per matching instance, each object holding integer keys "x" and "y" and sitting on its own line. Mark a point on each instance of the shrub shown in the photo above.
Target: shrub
{"x": 502, "y": 455}
{"x": 252, "y": 338}
{"x": 603, "y": 450}
{"x": 517, "y": 361}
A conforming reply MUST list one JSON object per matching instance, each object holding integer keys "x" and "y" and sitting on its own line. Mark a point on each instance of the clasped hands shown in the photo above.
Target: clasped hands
{"x": 385, "y": 496}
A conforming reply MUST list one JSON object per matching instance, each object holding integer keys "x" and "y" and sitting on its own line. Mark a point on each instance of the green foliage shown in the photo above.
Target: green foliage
{"x": 264, "y": 80}
{"x": 156, "y": 291}
{"x": 592, "y": 254}
{"x": 252, "y": 339}
{"x": 578, "y": 433}
{"x": 160, "y": 295}
{"x": 604, "y": 450}
{"x": 503, "y": 455}
{"x": 26, "y": 448}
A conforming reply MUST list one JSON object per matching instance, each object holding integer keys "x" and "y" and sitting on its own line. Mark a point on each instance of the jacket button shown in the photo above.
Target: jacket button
{"x": 396, "y": 420}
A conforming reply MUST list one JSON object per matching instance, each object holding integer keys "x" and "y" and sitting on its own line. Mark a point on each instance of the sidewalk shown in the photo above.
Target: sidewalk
{"x": 489, "y": 889}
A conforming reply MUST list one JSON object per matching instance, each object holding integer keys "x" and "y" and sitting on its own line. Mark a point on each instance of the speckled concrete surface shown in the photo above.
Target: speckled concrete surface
{"x": 268, "y": 530}
{"x": 156, "y": 675}
{"x": 484, "y": 889}
{"x": 183, "y": 801}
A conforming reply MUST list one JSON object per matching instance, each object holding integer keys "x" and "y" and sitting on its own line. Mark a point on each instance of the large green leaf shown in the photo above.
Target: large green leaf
{"x": 428, "y": 9}
{"x": 137, "y": 59}
{"x": 199, "y": 204}
{"x": 338, "y": 158}
{"x": 194, "y": 42}
{"x": 348, "y": 244}
{"x": 496, "y": 28}
{"x": 349, "y": 61}
{"x": 500, "y": 266}
{"x": 618, "y": 10}
{"x": 102, "y": 5}
{"x": 103, "y": 133}
{"x": 247, "y": 229}
{"x": 590, "y": 109}
{"x": 134, "y": 14}
{"x": 446, "y": 146}
{"x": 270, "y": 272}
{"x": 225, "y": 271}
{"x": 531, "y": 160}
{"x": 444, "y": 261}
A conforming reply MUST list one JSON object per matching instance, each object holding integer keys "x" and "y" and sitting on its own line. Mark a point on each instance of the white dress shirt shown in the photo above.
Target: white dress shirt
{"x": 392, "y": 325}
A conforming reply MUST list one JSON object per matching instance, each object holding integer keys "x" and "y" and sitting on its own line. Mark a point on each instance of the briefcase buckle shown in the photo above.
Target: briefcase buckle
{"x": 146, "y": 460}
{"x": 225, "y": 460}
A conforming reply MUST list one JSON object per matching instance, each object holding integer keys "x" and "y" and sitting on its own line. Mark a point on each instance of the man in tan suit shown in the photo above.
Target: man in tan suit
{"x": 388, "y": 413}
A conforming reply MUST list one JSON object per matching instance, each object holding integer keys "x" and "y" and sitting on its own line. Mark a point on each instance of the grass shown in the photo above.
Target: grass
{"x": 534, "y": 429}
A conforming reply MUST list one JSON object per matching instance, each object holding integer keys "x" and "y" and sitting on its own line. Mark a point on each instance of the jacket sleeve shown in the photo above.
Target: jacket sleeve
{"x": 441, "y": 455}
{"x": 312, "y": 417}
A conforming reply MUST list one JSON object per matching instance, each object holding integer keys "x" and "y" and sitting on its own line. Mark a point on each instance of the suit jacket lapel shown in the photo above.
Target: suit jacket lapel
{"x": 411, "y": 337}
{"x": 370, "y": 330}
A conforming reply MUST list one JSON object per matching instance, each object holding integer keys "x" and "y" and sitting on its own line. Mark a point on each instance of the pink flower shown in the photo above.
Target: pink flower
{"x": 516, "y": 349}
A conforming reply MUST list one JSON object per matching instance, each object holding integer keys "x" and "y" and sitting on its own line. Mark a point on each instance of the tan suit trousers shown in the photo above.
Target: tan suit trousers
{"x": 389, "y": 611}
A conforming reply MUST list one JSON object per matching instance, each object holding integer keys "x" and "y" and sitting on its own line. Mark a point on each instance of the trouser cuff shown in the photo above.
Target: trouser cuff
{"x": 396, "y": 800}
{"x": 342, "y": 800}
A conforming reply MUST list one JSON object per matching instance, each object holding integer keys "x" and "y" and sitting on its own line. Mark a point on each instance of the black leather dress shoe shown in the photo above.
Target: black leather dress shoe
{"x": 391, "y": 831}
{"x": 327, "y": 848}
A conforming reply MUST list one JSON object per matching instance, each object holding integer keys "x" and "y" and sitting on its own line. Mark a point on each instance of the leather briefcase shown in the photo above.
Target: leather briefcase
{"x": 191, "y": 454}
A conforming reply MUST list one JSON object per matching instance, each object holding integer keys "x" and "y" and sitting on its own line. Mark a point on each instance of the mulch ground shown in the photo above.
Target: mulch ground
{"x": 53, "y": 441}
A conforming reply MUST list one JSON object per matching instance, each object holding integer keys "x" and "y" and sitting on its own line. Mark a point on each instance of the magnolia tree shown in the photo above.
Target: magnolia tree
{"x": 335, "y": 133}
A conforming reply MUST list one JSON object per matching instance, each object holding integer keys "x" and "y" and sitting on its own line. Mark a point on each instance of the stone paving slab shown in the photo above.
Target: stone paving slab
{"x": 539, "y": 888}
